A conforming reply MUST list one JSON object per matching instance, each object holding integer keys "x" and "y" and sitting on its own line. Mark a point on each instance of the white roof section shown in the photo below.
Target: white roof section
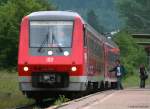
{"x": 54, "y": 13}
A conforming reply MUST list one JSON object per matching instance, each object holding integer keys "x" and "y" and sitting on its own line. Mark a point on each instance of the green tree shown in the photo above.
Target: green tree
{"x": 104, "y": 9}
{"x": 132, "y": 55}
{"x": 135, "y": 13}
{"x": 11, "y": 14}
{"x": 92, "y": 19}
{"x": 3, "y": 1}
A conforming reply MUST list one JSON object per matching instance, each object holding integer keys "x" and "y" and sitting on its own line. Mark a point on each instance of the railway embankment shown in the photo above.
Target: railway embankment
{"x": 10, "y": 95}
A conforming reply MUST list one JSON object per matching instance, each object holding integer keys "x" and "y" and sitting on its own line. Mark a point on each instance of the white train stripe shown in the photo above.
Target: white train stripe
{"x": 72, "y": 78}
{"x": 24, "y": 78}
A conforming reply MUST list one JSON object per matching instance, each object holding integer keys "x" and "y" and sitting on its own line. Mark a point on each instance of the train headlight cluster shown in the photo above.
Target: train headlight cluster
{"x": 73, "y": 68}
{"x": 25, "y": 68}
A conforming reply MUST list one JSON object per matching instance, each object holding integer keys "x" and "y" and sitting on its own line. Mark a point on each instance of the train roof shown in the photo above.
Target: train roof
{"x": 68, "y": 15}
{"x": 101, "y": 37}
{"x": 53, "y": 15}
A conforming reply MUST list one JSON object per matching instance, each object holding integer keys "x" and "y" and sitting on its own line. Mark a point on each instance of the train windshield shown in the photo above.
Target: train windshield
{"x": 51, "y": 34}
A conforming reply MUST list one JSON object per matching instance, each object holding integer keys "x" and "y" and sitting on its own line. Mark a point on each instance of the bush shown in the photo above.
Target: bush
{"x": 61, "y": 100}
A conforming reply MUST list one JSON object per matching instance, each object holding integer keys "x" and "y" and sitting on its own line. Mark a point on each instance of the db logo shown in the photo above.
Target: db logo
{"x": 50, "y": 59}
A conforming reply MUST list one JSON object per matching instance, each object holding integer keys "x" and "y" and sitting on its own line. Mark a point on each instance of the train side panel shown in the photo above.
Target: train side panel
{"x": 111, "y": 55}
{"x": 95, "y": 58}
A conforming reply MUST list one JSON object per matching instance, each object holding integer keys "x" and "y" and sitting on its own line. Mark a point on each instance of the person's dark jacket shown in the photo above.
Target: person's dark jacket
{"x": 142, "y": 72}
{"x": 122, "y": 70}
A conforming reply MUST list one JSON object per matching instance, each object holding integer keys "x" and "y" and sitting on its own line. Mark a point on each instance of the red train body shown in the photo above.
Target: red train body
{"x": 59, "y": 52}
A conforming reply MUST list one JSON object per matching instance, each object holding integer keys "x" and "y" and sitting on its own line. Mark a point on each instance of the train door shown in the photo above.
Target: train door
{"x": 85, "y": 51}
{"x": 106, "y": 62}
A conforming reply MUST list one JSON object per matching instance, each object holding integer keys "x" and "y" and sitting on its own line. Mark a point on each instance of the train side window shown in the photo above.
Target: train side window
{"x": 85, "y": 37}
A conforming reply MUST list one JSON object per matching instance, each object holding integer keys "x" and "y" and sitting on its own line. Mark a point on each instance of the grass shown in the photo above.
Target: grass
{"x": 10, "y": 95}
{"x": 61, "y": 100}
{"x": 134, "y": 81}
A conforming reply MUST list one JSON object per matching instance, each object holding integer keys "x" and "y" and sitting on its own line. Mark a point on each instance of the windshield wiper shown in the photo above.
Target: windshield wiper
{"x": 59, "y": 47}
{"x": 46, "y": 40}
{"x": 43, "y": 43}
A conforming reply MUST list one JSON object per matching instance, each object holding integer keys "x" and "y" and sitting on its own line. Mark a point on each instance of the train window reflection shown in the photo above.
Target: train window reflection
{"x": 51, "y": 33}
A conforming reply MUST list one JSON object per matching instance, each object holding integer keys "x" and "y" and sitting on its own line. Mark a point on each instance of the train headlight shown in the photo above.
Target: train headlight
{"x": 73, "y": 68}
{"x": 25, "y": 68}
{"x": 66, "y": 53}
{"x": 50, "y": 52}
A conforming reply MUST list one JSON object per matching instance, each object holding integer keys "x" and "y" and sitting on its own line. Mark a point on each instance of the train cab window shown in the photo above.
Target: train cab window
{"x": 51, "y": 33}
{"x": 50, "y": 38}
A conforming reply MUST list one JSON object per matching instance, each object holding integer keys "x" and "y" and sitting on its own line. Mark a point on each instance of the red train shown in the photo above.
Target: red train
{"x": 59, "y": 52}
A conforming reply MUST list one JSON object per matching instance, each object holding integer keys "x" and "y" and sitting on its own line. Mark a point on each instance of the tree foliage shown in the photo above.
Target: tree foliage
{"x": 11, "y": 14}
{"x": 92, "y": 19}
{"x": 132, "y": 55}
{"x": 105, "y": 10}
{"x": 136, "y": 14}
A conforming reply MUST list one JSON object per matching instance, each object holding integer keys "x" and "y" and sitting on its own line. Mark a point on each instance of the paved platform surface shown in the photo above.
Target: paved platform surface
{"x": 133, "y": 98}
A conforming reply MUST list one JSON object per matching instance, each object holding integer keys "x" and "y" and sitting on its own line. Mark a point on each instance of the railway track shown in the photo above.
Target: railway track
{"x": 49, "y": 102}
{"x": 37, "y": 105}
{"x": 30, "y": 106}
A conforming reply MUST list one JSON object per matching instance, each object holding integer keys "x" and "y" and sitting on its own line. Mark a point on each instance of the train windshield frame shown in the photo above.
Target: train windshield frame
{"x": 51, "y": 34}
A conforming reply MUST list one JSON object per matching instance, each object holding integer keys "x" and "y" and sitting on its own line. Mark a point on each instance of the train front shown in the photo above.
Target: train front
{"x": 51, "y": 53}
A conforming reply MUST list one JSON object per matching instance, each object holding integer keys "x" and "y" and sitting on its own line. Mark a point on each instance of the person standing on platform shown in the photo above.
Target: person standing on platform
{"x": 143, "y": 76}
{"x": 119, "y": 71}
